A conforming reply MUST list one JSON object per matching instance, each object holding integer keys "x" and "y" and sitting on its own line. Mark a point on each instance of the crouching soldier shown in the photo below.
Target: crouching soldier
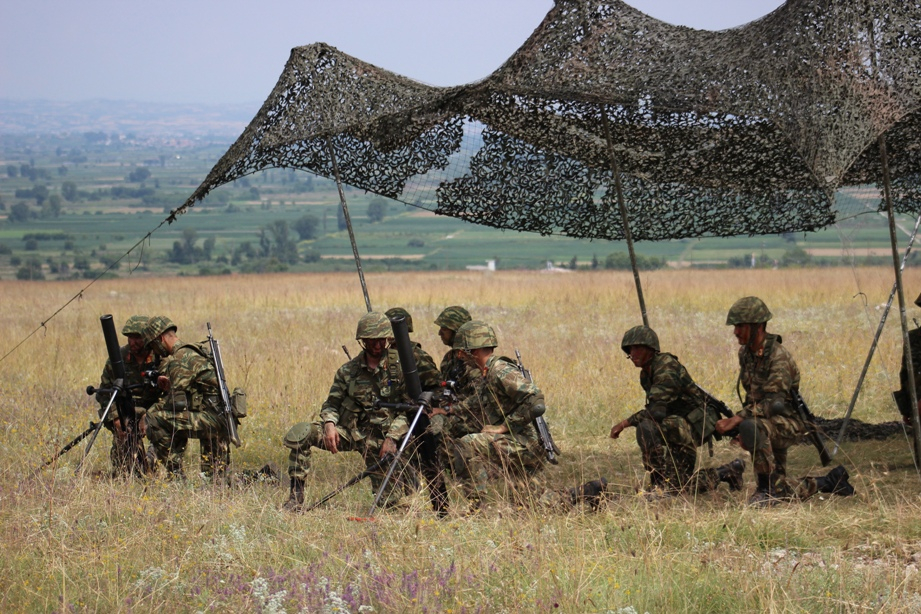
{"x": 675, "y": 421}
{"x": 769, "y": 422}
{"x": 351, "y": 420}
{"x": 190, "y": 407}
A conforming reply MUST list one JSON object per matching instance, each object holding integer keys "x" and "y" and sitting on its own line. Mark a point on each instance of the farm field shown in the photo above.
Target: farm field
{"x": 72, "y": 206}
{"x": 86, "y": 543}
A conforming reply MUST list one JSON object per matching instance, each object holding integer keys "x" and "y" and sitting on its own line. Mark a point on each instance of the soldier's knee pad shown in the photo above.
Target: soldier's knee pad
{"x": 300, "y": 436}
{"x": 749, "y": 436}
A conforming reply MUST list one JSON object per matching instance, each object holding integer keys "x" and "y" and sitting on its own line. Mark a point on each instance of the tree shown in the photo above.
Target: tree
{"x": 69, "y": 191}
{"x": 306, "y": 227}
{"x": 40, "y": 193}
{"x": 139, "y": 175}
{"x": 574, "y": 263}
{"x": 19, "y": 213}
{"x": 280, "y": 246}
{"x": 377, "y": 209}
{"x": 340, "y": 219}
{"x": 12, "y": 171}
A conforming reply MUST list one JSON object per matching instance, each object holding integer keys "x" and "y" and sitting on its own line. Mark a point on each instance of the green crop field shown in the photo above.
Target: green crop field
{"x": 72, "y": 206}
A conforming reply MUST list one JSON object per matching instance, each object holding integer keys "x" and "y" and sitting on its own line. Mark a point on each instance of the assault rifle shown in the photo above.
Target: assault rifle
{"x": 226, "y": 407}
{"x": 722, "y": 410}
{"x": 813, "y": 433}
{"x": 543, "y": 431}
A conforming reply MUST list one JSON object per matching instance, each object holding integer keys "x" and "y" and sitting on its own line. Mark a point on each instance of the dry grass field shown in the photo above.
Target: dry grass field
{"x": 87, "y": 543}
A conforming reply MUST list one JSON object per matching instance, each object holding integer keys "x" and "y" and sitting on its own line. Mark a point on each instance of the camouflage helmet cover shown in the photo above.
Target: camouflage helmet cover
{"x": 135, "y": 325}
{"x": 398, "y": 312}
{"x": 156, "y": 326}
{"x": 475, "y": 334}
{"x": 748, "y": 310}
{"x": 374, "y": 325}
{"x": 640, "y": 335}
{"x": 453, "y": 317}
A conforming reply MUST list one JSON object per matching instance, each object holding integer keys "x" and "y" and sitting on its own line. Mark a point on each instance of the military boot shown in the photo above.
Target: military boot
{"x": 764, "y": 494}
{"x": 836, "y": 482}
{"x": 589, "y": 493}
{"x": 732, "y": 473}
{"x": 296, "y": 499}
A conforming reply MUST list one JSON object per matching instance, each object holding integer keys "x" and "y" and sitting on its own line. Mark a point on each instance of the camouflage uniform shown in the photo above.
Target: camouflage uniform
{"x": 144, "y": 395}
{"x": 502, "y": 397}
{"x": 191, "y": 409}
{"x": 674, "y": 422}
{"x": 362, "y": 427}
{"x": 452, "y": 368}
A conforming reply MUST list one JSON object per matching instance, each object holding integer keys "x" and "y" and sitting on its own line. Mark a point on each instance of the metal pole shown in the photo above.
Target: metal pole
{"x": 879, "y": 332}
{"x": 906, "y": 348}
{"x": 625, "y": 221}
{"x": 348, "y": 222}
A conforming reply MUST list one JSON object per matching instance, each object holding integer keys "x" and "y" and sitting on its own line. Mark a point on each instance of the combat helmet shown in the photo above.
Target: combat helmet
{"x": 135, "y": 325}
{"x": 453, "y": 317}
{"x": 475, "y": 334}
{"x": 373, "y": 325}
{"x": 748, "y": 310}
{"x": 398, "y": 312}
{"x": 640, "y": 335}
{"x": 918, "y": 301}
{"x": 156, "y": 326}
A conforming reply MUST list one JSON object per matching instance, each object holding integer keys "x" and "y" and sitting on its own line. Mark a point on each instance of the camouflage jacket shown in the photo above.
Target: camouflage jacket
{"x": 504, "y": 396}
{"x": 350, "y": 403}
{"x": 193, "y": 380}
{"x": 768, "y": 378}
{"x": 453, "y": 369}
{"x": 144, "y": 396}
{"x": 670, "y": 391}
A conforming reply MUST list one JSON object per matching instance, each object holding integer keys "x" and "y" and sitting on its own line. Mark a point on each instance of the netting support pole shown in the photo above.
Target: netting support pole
{"x": 348, "y": 222}
{"x": 906, "y": 348}
{"x": 879, "y": 332}
{"x": 625, "y": 220}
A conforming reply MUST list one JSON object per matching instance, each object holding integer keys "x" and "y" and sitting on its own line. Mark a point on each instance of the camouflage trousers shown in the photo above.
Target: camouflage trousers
{"x": 303, "y": 436}
{"x": 769, "y": 440}
{"x": 478, "y": 457}
{"x": 127, "y": 457}
{"x": 670, "y": 454}
{"x": 169, "y": 433}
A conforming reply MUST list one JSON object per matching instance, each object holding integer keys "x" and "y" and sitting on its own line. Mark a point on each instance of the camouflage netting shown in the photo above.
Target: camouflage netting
{"x": 765, "y": 128}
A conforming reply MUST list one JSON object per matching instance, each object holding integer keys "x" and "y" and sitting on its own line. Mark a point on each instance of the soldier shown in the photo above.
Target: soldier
{"x": 504, "y": 404}
{"x": 137, "y": 359}
{"x": 903, "y": 395}
{"x": 350, "y": 420}
{"x": 191, "y": 407}
{"x": 769, "y": 422}
{"x": 427, "y": 445}
{"x": 674, "y": 422}
{"x": 448, "y": 321}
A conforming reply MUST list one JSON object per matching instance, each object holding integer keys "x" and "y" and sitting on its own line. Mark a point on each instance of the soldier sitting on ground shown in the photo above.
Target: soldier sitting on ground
{"x": 351, "y": 420}
{"x": 505, "y": 404}
{"x": 674, "y": 423}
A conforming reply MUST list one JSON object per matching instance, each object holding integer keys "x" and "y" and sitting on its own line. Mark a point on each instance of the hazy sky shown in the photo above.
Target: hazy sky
{"x": 213, "y": 51}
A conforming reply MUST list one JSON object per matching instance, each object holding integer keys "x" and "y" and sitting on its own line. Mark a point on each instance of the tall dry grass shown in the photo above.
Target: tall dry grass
{"x": 88, "y": 544}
